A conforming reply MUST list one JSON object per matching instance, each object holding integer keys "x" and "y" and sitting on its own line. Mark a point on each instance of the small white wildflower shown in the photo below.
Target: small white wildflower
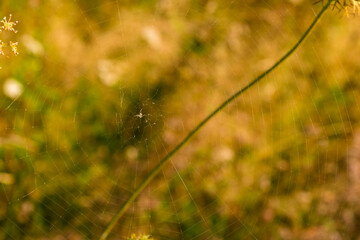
{"x": 8, "y": 25}
{"x": 13, "y": 46}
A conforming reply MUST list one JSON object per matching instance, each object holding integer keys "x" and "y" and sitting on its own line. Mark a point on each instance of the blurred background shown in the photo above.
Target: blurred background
{"x": 102, "y": 90}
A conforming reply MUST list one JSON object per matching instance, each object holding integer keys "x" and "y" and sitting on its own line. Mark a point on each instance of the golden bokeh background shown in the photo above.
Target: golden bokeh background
{"x": 102, "y": 90}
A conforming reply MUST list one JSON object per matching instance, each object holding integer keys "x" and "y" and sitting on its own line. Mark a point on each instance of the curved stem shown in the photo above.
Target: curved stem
{"x": 158, "y": 167}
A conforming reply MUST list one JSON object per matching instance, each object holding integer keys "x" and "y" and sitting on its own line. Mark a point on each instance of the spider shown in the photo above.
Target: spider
{"x": 140, "y": 115}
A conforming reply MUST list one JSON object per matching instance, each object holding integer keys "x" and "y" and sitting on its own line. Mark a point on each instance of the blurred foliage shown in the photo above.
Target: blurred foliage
{"x": 107, "y": 88}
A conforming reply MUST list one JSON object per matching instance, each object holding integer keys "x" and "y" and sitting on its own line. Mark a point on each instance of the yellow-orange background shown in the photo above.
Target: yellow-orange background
{"x": 102, "y": 90}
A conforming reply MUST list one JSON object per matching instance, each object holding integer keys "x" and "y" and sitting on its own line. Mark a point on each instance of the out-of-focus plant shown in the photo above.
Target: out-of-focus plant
{"x": 140, "y": 237}
{"x": 352, "y": 5}
{"x": 349, "y": 6}
{"x": 8, "y": 25}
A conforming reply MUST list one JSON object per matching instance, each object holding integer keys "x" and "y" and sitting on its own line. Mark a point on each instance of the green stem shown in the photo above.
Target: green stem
{"x": 158, "y": 167}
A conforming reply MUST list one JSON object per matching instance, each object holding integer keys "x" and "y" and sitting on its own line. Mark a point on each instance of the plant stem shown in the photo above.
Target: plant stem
{"x": 158, "y": 167}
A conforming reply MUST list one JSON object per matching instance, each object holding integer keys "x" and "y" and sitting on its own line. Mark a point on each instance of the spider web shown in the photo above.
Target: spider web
{"x": 108, "y": 88}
